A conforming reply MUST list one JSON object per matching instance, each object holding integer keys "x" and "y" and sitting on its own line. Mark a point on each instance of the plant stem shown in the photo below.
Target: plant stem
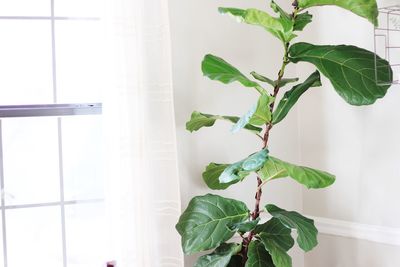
{"x": 256, "y": 213}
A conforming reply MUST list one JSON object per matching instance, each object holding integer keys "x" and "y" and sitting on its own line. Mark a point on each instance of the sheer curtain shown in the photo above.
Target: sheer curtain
{"x": 142, "y": 187}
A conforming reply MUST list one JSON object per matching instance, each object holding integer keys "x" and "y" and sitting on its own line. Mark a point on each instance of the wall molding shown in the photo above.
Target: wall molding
{"x": 373, "y": 233}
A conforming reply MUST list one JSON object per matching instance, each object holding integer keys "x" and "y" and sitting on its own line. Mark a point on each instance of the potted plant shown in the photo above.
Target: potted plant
{"x": 210, "y": 221}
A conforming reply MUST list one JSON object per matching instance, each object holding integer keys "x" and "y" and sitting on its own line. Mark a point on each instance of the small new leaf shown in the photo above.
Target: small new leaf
{"x": 203, "y": 225}
{"x": 280, "y": 83}
{"x": 301, "y": 21}
{"x": 258, "y": 256}
{"x": 364, "y": 8}
{"x": 258, "y": 115}
{"x": 276, "y": 26}
{"x": 350, "y": 69}
{"x": 290, "y": 97}
{"x": 312, "y": 178}
{"x": 306, "y": 231}
{"x": 220, "y": 257}
{"x": 199, "y": 120}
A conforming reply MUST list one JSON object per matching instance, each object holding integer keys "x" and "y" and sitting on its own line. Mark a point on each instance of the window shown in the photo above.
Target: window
{"x": 52, "y": 208}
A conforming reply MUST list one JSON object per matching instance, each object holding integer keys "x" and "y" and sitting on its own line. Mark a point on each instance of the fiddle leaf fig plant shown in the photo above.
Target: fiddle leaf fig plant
{"x": 209, "y": 222}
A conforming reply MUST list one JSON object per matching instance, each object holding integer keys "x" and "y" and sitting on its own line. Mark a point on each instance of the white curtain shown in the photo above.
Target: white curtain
{"x": 142, "y": 179}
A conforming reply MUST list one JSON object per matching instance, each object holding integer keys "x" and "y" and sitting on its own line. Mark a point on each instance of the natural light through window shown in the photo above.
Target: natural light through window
{"x": 52, "y": 205}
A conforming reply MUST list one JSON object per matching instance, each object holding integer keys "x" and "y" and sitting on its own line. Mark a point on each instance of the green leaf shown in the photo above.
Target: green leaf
{"x": 301, "y": 21}
{"x": 221, "y": 176}
{"x": 258, "y": 256}
{"x": 280, "y": 258}
{"x": 220, "y": 257}
{"x": 203, "y": 225}
{"x": 276, "y": 26}
{"x": 244, "y": 227}
{"x": 211, "y": 176}
{"x": 285, "y": 18}
{"x": 258, "y": 115}
{"x": 218, "y": 69}
{"x": 350, "y": 69}
{"x": 364, "y": 8}
{"x": 199, "y": 120}
{"x": 237, "y": 171}
{"x": 274, "y": 229}
{"x": 290, "y": 97}
{"x": 281, "y": 83}
{"x": 262, "y": 78}
{"x": 312, "y": 178}
{"x": 306, "y": 231}
{"x": 236, "y": 261}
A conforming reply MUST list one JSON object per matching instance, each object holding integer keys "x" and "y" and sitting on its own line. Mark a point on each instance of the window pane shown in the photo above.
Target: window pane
{"x": 82, "y": 161}
{"x": 34, "y": 237}
{"x": 25, "y": 8}
{"x": 25, "y": 65}
{"x": 30, "y": 152}
{"x": 86, "y": 235}
{"x": 78, "y": 8}
{"x": 79, "y": 61}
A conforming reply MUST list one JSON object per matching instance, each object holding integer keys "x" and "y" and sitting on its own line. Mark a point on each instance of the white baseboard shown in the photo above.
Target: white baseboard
{"x": 379, "y": 234}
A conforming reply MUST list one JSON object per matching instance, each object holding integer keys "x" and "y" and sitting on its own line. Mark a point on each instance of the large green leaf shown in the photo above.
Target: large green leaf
{"x": 258, "y": 256}
{"x": 203, "y": 225}
{"x": 220, "y": 257}
{"x": 218, "y": 69}
{"x": 301, "y": 21}
{"x": 350, "y": 69}
{"x": 199, "y": 120}
{"x": 364, "y": 8}
{"x": 279, "y": 256}
{"x": 312, "y": 178}
{"x": 258, "y": 115}
{"x": 290, "y": 97}
{"x": 276, "y": 26}
{"x": 275, "y": 230}
{"x": 211, "y": 176}
{"x": 306, "y": 231}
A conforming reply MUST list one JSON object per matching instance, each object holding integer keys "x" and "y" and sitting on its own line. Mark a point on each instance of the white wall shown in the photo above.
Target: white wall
{"x": 197, "y": 29}
{"x": 358, "y": 144}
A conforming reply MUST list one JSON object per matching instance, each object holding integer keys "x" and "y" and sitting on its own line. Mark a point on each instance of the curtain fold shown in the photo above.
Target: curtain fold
{"x": 143, "y": 198}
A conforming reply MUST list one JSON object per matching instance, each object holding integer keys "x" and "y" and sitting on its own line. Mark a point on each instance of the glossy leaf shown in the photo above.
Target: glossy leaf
{"x": 350, "y": 69}
{"x": 364, "y": 8}
{"x": 276, "y": 26}
{"x": 275, "y": 230}
{"x": 306, "y": 231}
{"x": 211, "y": 176}
{"x": 279, "y": 256}
{"x": 301, "y": 21}
{"x": 258, "y": 256}
{"x": 237, "y": 171}
{"x": 203, "y": 225}
{"x": 218, "y": 69}
{"x": 199, "y": 120}
{"x": 290, "y": 97}
{"x": 312, "y": 178}
{"x": 244, "y": 227}
{"x": 258, "y": 115}
{"x": 220, "y": 257}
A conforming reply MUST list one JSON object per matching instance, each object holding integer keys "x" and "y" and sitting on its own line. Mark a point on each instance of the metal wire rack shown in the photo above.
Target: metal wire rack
{"x": 387, "y": 43}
